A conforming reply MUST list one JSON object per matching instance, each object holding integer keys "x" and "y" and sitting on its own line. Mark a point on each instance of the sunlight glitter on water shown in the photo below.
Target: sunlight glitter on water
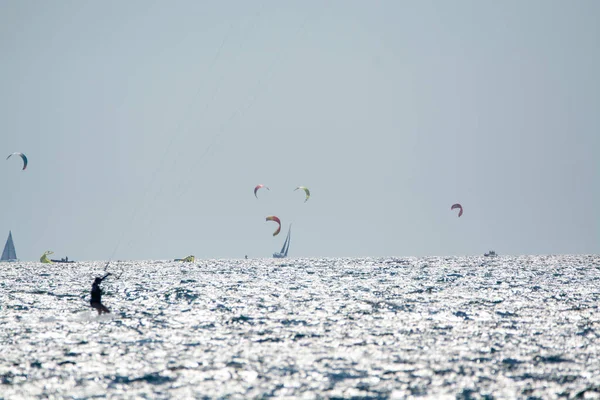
{"x": 467, "y": 327}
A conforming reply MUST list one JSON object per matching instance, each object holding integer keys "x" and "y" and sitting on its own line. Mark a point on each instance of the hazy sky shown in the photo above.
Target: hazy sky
{"x": 148, "y": 123}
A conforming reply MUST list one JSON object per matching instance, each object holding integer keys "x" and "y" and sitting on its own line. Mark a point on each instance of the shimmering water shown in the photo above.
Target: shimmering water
{"x": 508, "y": 327}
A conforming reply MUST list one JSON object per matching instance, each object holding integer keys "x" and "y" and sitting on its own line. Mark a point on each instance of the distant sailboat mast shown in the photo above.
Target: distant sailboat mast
{"x": 286, "y": 245}
{"x": 9, "y": 253}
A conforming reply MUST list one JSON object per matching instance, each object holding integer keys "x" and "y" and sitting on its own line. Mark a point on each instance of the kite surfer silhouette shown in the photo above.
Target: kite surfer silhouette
{"x": 96, "y": 300}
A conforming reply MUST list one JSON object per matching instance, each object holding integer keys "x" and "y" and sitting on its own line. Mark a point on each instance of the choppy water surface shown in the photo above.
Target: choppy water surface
{"x": 509, "y": 327}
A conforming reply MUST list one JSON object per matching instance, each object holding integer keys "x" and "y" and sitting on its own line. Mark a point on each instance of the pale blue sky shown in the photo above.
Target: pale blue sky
{"x": 148, "y": 124}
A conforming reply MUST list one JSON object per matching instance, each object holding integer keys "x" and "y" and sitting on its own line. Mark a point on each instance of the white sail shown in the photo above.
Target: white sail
{"x": 9, "y": 253}
{"x": 287, "y": 241}
{"x": 286, "y": 246}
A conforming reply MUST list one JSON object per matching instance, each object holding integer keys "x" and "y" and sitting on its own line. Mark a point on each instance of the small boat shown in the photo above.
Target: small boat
{"x": 186, "y": 259}
{"x": 63, "y": 261}
{"x": 286, "y": 246}
{"x": 490, "y": 253}
{"x": 9, "y": 254}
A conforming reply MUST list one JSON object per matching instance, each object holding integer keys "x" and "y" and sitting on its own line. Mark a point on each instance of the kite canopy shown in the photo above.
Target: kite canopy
{"x": 258, "y": 187}
{"x": 275, "y": 219}
{"x": 459, "y": 207}
{"x": 22, "y": 156}
{"x": 305, "y": 191}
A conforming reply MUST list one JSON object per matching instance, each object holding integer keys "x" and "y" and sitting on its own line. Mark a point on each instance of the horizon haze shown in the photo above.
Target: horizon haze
{"x": 147, "y": 126}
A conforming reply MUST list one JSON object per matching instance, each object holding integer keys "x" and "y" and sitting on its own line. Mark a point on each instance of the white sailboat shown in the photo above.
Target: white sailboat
{"x": 9, "y": 253}
{"x": 286, "y": 246}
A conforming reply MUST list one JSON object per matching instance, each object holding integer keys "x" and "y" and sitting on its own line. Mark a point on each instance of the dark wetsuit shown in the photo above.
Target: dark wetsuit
{"x": 96, "y": 300}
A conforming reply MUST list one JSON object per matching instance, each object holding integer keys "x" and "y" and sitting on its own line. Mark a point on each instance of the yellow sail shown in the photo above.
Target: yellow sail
{"x": 44, "y": 258}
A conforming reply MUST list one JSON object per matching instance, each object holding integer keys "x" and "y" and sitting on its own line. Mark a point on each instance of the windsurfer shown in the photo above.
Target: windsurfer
{"x": 96, "y": 301}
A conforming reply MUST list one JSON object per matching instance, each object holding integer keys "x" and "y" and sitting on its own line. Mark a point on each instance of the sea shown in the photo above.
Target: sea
{"x": 503, "y": 327}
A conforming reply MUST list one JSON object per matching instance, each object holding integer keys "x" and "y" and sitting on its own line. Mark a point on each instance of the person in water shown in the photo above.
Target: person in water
{"x": 96, "y": 301}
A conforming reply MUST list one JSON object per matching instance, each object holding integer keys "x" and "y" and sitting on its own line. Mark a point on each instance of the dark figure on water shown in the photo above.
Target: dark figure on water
{"x": 96, "y": 301}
